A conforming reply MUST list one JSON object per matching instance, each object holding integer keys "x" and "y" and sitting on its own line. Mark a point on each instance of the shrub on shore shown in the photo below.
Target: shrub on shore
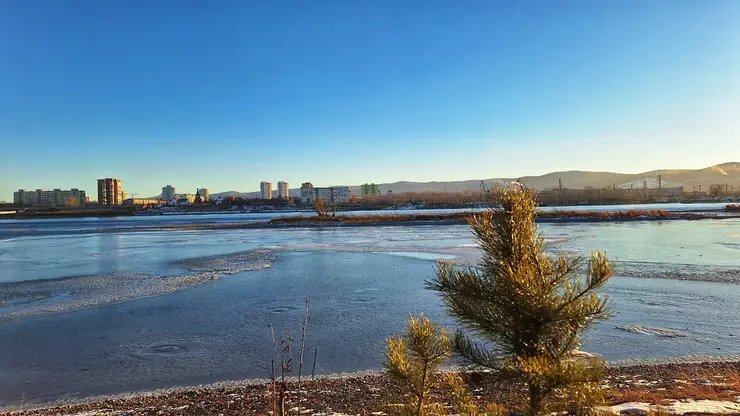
{"x": 413, "y": 361}
{"x": 529, "y": 309}
{"x": 523, "y": 312}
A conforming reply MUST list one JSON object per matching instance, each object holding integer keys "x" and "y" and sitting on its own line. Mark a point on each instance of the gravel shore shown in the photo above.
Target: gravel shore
{"x": 370, "y": 393}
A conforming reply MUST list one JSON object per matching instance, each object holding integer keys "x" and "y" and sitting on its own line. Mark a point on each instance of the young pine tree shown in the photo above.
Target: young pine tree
{"x": 412, "y": 360}
{"x": 527, "y": 309}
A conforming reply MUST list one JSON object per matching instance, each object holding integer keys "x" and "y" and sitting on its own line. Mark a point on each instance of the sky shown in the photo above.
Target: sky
{"x": 229, "y": 93}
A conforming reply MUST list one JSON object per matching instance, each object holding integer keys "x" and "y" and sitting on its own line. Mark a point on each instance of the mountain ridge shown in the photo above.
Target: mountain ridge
{"x": 725, "y": 173}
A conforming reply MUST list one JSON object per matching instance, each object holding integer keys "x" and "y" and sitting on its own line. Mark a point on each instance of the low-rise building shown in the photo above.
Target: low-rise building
{"x": 189, "y": 197}
{"x": 144, "y": 201}
{"x": 56, "y": 197}
{"x": 179, "y": 202}
{"x": 333, "y": 194}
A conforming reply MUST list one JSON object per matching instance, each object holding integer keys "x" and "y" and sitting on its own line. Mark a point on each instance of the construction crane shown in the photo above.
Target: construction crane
{"x": 484, "y": 190}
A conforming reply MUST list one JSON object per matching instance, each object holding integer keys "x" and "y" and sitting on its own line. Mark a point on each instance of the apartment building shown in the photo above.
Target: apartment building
{"x": 110, "y": 191}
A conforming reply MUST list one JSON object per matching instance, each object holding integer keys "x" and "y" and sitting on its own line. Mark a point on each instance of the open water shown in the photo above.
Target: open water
{"x": 88, "y": 310}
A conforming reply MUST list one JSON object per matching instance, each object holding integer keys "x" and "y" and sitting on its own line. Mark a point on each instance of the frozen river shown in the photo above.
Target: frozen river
{"x": 84, "y": 312}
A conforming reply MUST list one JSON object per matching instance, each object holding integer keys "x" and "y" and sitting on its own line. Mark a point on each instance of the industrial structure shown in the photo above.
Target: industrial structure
{"x": 265, "y": 190}
{"x": 613, "y": 193}
{"x": 110, "y": 191}
{"x": 283, "y": 190}
{"x": 56, "y": 197}
{"x": 485, "y": 191}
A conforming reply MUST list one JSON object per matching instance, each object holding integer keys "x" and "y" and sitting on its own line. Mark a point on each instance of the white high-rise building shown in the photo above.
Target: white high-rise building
{"x": 283, "y": 190}
{"x": 266, "y": 190}
{"x": 168, "y": 193}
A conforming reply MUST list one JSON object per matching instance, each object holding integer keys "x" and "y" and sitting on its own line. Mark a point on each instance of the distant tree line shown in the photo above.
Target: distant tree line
{"x": 723, "y": 190}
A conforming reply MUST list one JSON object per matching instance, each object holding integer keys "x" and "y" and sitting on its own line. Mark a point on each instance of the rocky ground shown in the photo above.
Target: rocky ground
{"x": 712, "y": 387}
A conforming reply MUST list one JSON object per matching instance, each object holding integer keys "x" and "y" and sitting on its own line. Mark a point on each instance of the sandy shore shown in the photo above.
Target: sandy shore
{"x": 712, "y": 387}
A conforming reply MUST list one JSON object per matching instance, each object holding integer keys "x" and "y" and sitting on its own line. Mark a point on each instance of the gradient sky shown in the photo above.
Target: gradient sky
{"x": 225, "y": 94}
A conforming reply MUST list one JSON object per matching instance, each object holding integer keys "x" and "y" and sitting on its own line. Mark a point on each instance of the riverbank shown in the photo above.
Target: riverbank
{"x": 696, "y": 388}
{"x": 126, "y": 211}
{"x": 53, "y": 213}
{"x": 461, "y": 217}
{"x": 401, "y": 220}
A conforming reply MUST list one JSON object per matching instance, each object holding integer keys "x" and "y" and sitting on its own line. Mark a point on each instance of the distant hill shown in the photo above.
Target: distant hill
{"x": 726, "y": 173}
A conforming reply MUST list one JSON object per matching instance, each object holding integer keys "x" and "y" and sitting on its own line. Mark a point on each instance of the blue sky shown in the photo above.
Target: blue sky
{"x": 226, "y": 94}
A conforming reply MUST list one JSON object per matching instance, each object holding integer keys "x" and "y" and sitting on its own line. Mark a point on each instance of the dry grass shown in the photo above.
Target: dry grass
{"x": 697, "y": 384}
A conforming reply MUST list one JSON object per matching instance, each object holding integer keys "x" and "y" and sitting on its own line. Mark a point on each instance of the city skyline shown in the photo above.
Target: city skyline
{"x": 652, "y": 175}
{"x": 431, "y": 90}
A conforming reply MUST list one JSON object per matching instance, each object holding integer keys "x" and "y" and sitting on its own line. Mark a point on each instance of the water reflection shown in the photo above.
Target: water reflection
{"x": 109, "y": 253}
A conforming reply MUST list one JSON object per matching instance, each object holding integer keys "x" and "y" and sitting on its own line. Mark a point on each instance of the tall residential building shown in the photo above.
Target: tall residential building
{"x": 266, "y": 190}
{"x": 110, "y": 191}
{"x": 57, "y": 197}
{"x": 283, "y": 190}
{"x": 205, "y": 194}
{"x": 168, "y": 193}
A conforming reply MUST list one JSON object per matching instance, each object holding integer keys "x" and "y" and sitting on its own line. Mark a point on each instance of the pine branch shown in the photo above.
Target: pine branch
{"x": 475, "y": 352}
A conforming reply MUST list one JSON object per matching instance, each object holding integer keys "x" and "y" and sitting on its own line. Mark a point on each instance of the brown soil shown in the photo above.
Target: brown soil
{"x": 366, "y": 394}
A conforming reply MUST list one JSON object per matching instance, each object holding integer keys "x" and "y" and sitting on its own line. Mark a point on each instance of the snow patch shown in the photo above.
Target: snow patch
{"x": 680, "y": 407}
{"x": 648, "y": 330}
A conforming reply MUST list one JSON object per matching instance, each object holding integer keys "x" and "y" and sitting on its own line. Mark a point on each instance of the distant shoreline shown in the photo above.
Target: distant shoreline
{"x": 120, "y": 211}
{"x": 461, "y": 218}
{"x": 410, "y": 220}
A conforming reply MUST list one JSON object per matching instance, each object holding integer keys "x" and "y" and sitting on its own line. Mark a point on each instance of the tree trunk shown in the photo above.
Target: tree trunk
{"x": 281, "y": 402}
{"x": 422, "y": 390}
{"x": 535, "y": 400}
